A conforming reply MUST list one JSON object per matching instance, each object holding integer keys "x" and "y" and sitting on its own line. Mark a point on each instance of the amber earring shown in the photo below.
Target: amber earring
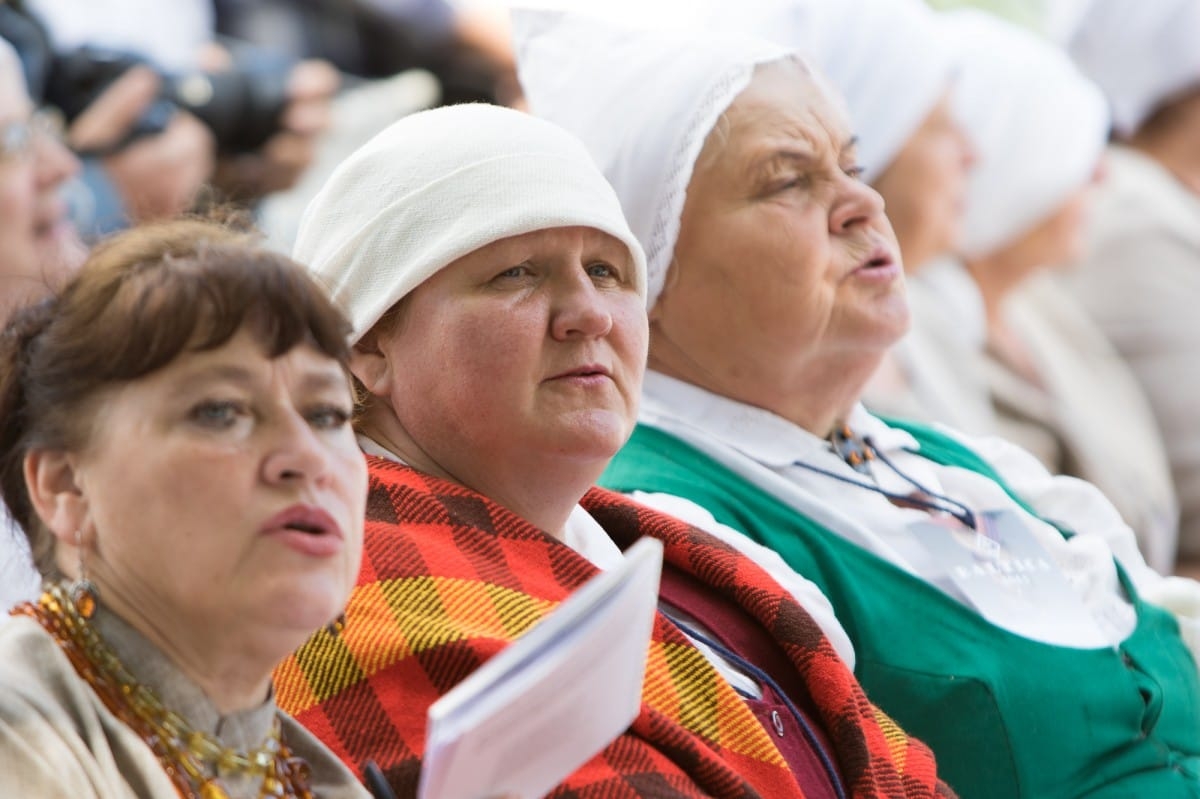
{"x": 84, "y": 592}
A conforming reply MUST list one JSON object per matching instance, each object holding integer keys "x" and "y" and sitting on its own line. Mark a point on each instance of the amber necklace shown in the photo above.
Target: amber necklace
{"x": 196, "y": 761}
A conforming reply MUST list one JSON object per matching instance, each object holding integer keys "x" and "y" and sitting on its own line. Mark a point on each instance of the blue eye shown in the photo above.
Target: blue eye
{"x": 520, "y": 270}
{"x": 601, "y": 270}
{"x": 329, "y": 417}
{"x": 217, "y": 414}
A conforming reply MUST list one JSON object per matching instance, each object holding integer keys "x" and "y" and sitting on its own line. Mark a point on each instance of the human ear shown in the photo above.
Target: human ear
{"x": 51, "y": 480}
{"x": 370, "y": 365}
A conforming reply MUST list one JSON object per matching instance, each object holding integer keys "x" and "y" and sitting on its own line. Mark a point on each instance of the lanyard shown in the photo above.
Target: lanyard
{"x": 858, "y": 455}
{"x": 810, "y": 736}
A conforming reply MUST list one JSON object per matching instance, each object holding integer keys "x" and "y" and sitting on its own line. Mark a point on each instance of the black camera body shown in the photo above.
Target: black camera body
{"x": 242, "y": 106}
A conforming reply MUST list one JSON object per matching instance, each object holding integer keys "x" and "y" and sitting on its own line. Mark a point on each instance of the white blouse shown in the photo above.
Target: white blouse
{"x": 765, "y": 449}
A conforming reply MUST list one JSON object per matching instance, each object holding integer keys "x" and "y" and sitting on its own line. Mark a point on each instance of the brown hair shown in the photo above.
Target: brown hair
{"x": 142, "y": 298}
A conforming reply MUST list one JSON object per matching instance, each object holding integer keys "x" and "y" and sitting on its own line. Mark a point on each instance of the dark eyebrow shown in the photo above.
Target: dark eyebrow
{"x": 215, "y": 372}
{"x": 314, "y": 380}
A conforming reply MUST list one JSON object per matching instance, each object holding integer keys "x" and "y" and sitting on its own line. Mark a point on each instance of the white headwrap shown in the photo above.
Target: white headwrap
{"x": 889, "y": 59}
{"x": 438, "y": 185}
{"x": 1038, "y": 125}
{"x": 642, "y": 101}
{"x": 1141, "y": 53}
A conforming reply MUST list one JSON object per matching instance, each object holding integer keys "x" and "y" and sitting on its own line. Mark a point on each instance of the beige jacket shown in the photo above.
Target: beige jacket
{"x": 1088, "y": 418}
{"x": 1141, "y": 283}
{"x": 58, "y": 740}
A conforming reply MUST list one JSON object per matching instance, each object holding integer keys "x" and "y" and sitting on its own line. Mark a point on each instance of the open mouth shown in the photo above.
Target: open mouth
{"x": 311, "y": 529}
{"x": 307, "y": 519}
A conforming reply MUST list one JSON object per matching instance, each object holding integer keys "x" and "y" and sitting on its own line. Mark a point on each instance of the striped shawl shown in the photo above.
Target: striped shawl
{"x": 450, "y": 578}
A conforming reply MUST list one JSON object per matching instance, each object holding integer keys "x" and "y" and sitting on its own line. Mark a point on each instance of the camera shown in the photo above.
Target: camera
{"x": 241, "y": 106}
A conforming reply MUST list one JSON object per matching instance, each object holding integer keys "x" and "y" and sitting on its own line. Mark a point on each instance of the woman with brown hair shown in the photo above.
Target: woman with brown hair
{"x": 177, "y": 448}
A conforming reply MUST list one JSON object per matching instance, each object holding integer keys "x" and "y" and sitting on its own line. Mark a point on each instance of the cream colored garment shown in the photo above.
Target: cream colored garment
{"x": 58, "y": 740}
{"x": 1141, "y": 284}
{"x": 18, "y": 578}
{"x": 1088, "y": 418}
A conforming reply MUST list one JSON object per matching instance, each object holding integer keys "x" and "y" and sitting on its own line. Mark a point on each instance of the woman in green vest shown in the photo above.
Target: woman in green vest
{"x": 1002, "y": 614}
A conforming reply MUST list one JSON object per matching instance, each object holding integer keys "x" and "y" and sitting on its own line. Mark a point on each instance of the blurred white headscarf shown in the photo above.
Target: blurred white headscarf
{"x": 889, "y": 60}
{"x": 643, "y": 102}
{"x": 1140, "y": 53}
{"x": 1039, "y": 127}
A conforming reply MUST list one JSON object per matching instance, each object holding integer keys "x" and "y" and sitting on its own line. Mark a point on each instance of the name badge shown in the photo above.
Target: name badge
{"x": 1006, "y": 575}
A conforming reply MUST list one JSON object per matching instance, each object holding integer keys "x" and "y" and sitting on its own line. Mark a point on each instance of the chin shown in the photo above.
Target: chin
{"x": 599, "y": 435}
{"x": 308, "y": 603}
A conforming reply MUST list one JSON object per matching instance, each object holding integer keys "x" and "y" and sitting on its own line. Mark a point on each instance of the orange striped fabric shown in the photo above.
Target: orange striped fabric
{"x": 450, "y": 578}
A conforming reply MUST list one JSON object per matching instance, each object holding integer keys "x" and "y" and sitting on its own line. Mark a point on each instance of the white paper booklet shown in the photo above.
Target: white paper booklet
{"x": 559, "y": 694}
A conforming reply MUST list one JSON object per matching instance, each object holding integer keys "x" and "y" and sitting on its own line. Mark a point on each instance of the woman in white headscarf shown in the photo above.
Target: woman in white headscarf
{"x": 999, "y": 332}
{"x": 497, "y": 298}
{"x": 1027, "y": 655}
{"x": 1140, "y": 276}
{"x": 896, "y": 67}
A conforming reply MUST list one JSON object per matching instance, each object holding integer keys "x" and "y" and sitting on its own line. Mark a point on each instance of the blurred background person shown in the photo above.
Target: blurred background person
{"x": 999, "y": 334}
{"x": 181, "y": 357}
{"x": 1140, "y": 276}
{"x": 38, "y": 251}
{"x": 194, "y": 113}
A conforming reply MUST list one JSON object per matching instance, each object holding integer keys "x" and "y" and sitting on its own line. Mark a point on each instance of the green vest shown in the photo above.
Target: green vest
{"x": 1007, "y": 717}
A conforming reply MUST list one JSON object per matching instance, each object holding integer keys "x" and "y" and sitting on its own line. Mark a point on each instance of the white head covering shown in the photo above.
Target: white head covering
{"x": 642, "y": 101}
{"x": 889, "y": 59}
{"x": 1140, "y": 53}
{"x": 1038, "y": 125}
{"x": 438, "y": 185}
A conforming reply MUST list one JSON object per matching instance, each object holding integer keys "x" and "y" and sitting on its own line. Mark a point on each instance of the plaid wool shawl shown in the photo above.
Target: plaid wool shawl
{"x": 449, "y": 578}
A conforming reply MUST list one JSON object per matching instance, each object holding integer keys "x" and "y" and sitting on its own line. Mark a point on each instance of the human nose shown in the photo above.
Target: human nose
{"x": 857, "y": 204}
{"x": 580, "y": 310}
{"x": 296, "y": 455}
{"x": 55, "y": 163}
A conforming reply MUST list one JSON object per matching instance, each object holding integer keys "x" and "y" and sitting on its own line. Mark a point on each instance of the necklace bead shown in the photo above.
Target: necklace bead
{"x": 195, "y": 761}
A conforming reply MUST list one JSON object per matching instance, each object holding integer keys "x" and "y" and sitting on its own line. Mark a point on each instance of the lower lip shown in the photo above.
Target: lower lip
{"x": 584, "y": 381}
{"x": 877, "y": 274}
{"x": 321, "y": 545}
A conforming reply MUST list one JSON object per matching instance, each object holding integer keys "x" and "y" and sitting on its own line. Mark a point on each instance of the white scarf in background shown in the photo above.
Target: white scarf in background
{"x": 1038, "y": 125}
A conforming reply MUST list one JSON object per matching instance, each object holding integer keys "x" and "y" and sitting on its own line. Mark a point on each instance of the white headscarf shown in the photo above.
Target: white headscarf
{"x": 1038, "y": 125}
{"x": 1140, "y": 53}
{"x": 642, "y": 101}
{"x": 438, "y": 185}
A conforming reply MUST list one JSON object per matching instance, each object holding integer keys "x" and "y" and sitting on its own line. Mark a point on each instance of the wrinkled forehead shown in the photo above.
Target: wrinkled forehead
{"x": 785, "y": 103}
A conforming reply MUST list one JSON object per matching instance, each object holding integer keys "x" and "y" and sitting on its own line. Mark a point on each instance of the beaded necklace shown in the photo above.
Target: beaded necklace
{"x": 196, "y": 761}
